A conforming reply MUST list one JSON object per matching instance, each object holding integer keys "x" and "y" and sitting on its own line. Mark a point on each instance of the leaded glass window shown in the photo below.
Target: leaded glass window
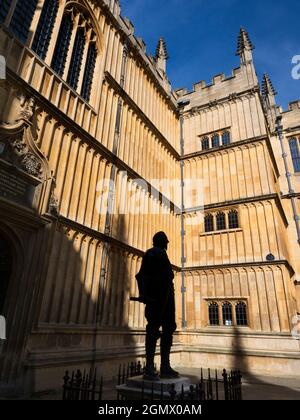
{"x": 213, "y": 310}
{"x": 226, "y": 138}
{"x": 233, "y": 219}
{"x": 205, "y": 143}
{"x": 45, "y": 28}
{"x": 76, "y": 60}
{"x": 209, "y": 223}
{"x": 294, "y": 147}
{"x": 89, "y": 72}
{"x": 4, "y": 9}
{"x": 62, "y": 45}
{"x": 221, "y": 221}
{"x": 241, "y": 314}
{"x": 227, "y": 314}
{"x": 22, "y": 18}
{"x": 216, "y": 140}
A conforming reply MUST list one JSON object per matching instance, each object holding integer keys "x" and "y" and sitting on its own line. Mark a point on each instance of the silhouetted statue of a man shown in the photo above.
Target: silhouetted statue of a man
{"x": 156, "y": 287}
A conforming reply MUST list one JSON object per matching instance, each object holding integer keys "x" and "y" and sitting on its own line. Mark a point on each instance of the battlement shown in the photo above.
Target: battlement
{"x": 141, "y": 49}
{"x": 242, "y": 78}
{"x": 295, "y": 105}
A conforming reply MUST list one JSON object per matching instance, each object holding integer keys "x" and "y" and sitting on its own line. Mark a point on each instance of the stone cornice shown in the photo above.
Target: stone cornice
{"x": 245, "y": 200}
{"x": 233, "y": 145}
{"x": 126, "y": 98}
{"x": 208, "y": 105}
{"x": 257, "y": 264}
{"x": 103, "y": 238}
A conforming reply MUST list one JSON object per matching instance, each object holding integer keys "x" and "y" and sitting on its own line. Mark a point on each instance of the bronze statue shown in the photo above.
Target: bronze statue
{"x": 155, "y": 281}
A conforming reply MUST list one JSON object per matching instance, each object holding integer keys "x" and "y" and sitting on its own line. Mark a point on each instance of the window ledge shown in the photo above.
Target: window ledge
{"x": 232, "y": 328}
{"x": 219, "y": 232}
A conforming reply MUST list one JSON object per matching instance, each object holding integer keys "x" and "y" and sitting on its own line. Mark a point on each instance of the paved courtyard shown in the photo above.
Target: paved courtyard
{"x": 262, "y": 387}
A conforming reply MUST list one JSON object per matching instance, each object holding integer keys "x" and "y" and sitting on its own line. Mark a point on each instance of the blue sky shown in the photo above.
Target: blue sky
{"x": 201, "y": 37}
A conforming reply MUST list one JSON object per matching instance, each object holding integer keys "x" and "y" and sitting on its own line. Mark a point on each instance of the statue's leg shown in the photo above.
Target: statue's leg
{"x": 152, "y": 334}
{"x": 169, "y": 327}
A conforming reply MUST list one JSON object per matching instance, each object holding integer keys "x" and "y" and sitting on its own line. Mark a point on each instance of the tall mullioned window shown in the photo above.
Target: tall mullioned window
{"x": 205, "y": 143}
{"x": 233, "y": 219}
{"x": 227, "y": 314}
{"x": 45, "y": 28}
{"x": 76, "y": 61}
{"x": 221, "y": 221}
{"x": 226, "y": 138}
{"x": 4, "y": 9}
{"x": 89, "y": 72}
{"x": 234, "y": 313}
{"x": 241, "y": 314}
{"x": 213, "y": 310}
{"x": 216, "y": 140}
{"x": 209, "y": 223}
{"x": 22, "y": 18}
{"x": 295, "y": 152}
{"x": 62, "y": 45}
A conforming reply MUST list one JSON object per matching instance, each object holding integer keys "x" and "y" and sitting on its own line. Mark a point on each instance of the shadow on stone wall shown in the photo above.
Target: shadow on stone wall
{"x": 75, "y": 326}
{"x": 262, "y": 387}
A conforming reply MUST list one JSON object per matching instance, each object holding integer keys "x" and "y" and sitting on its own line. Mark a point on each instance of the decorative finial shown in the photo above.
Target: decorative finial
{"x": 161, "y": 55}
{"x": 267, "y": 87}
{"x": 244, "y": 43}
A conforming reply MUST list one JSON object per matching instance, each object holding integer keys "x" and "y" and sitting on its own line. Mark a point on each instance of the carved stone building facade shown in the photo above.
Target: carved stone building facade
{"x": 95, "y": 153}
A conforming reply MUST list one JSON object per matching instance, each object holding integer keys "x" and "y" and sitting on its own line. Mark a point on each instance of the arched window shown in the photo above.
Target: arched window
{"x": 62, "y": 45}
{"x": 209, "y": 223}
{"x": 226, "y": 138}
{"x": 22, "y": 18}
{"x": 295, "y": 152}
{"x": 205, "y": 143}
{"x": 4, "y": 9}
{"x": 89, "y": 72}
{"x": 221, "y": 221}
{"x": 45, "y": 26}
{"x": 233, "y": 219}
{"x": 76, "y": 60}
{"x": 215, "y": 140}
{"x": 241, "y": 314}
{"x": 213, "y": 310}
{"x": 227, "y": 314}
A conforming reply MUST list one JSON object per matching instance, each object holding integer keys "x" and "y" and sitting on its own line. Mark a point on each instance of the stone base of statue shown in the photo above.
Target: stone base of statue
{"x": 137, "y": 388}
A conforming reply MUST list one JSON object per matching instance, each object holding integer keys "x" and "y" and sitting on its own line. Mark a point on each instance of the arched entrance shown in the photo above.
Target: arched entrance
{"x": 5, "y": 269}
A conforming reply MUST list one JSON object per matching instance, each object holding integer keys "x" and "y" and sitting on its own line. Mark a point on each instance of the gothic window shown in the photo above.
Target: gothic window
{"x": 45, "y": 28}
{"x": 241, "y": 314}
{"x": 227, "y": 314}
{"x": 295, "y": 152}
{"x": 76, "y": 60}
{"x": 214, "y": 314}
{"x": 221, "y": 221}
{"x": 216, "y": 140}
{"x": 205, "y": 143}
{"x": 226, "y": 138}
{"x": 233, "y": 219}
{"x": 22, "y": 18}
{"x": 62, "y": 45}
{"x": 209, "y": 223}
{"x": 4, "y": 9}
{"x": 89, "y": 72}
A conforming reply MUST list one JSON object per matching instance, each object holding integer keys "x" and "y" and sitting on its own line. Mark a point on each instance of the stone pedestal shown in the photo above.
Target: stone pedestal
{"x": 138, "y": 389}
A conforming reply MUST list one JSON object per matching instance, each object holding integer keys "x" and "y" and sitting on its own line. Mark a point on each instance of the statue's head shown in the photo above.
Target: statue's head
{"x": 161, "y": 240}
